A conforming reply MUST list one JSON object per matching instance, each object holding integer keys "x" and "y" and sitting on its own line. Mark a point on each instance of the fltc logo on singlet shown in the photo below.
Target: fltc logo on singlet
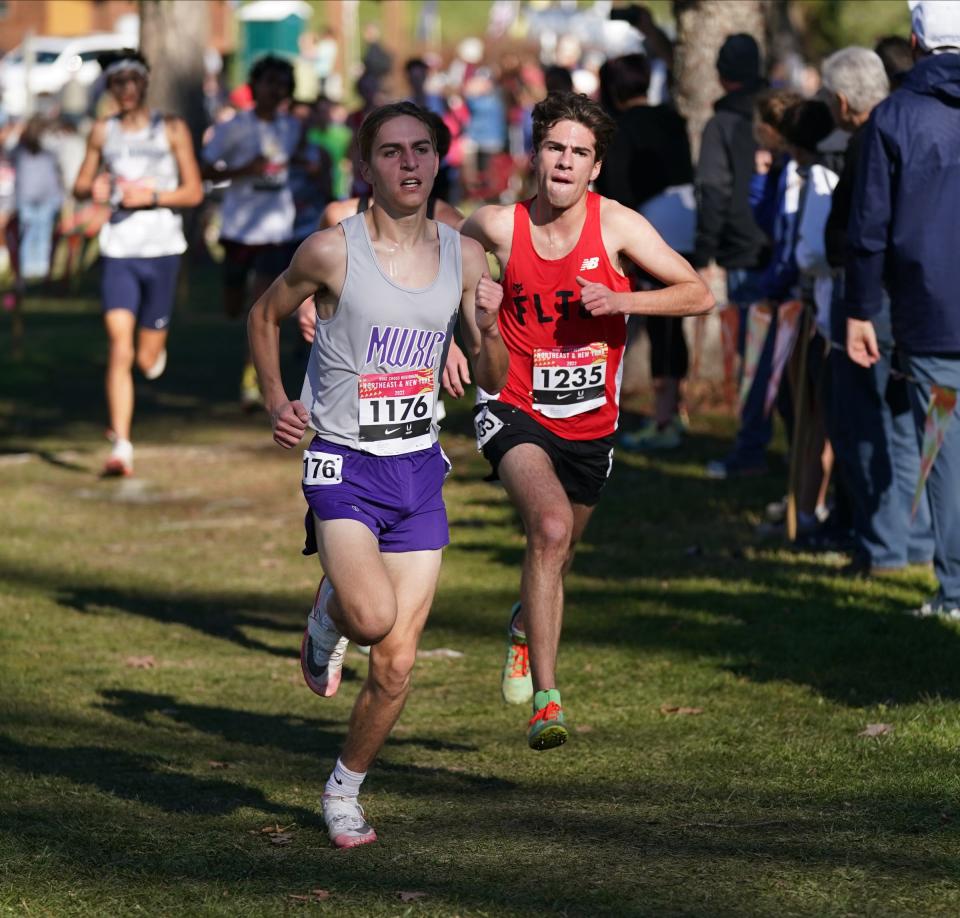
{"x": 564, "y": 302}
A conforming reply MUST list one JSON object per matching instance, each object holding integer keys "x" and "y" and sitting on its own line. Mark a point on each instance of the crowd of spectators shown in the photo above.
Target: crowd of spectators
{"x": 826, "y": 217}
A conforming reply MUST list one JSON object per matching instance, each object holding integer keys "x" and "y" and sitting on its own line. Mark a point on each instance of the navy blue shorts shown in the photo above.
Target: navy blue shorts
{"x": 144, "y": 286}
{"x": 398, "y": 498}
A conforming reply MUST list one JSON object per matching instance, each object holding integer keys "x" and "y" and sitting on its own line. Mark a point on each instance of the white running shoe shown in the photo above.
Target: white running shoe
{"x": 345, "y": 822}
{"x": 937, "y": 608}
{"x": 156, "y": 371}
{"x": 120, "y": 461}
{"x": 322, "y": 648}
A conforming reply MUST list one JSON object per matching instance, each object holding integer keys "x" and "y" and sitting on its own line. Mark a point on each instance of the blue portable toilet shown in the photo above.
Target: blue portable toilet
{"x": 271, "y": 27}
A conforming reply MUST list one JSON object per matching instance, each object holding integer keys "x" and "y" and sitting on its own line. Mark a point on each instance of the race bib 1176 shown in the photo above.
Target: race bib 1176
{"x": 396, "y": 410}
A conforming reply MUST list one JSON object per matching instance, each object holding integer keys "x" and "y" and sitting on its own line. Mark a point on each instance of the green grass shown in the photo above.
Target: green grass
{"x": 132, "y": 790}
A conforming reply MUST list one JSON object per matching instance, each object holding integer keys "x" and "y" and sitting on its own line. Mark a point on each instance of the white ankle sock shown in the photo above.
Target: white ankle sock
{"x": 343, "y": 782}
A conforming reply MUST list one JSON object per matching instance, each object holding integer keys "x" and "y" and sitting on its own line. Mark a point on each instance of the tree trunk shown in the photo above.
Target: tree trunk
{"x": 702, "y": 27}
{"x": 174, "y": 37}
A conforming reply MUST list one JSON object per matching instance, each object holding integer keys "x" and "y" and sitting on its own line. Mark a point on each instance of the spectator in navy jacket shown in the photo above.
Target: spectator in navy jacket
{"x": 870, "y": 422}
{"x": 904, "y": 233}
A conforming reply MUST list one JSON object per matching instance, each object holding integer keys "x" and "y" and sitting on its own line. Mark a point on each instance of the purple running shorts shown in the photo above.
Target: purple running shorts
{"x": 399, "y": 498}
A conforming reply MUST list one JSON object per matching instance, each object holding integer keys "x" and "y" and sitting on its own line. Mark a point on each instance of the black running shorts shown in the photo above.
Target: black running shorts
{"x": 582, "y": 466}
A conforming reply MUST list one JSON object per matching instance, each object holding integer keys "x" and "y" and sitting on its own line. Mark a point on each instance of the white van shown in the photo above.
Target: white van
{"x": 56, "y": 61}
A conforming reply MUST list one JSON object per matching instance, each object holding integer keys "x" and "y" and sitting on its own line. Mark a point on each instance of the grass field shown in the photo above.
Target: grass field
{"x": 160, "y": 754}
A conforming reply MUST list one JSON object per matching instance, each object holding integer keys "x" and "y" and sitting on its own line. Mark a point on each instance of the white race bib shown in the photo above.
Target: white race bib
{"x": 322, "y": 468}
{"x": 486, "y": 424}
{"x": 569, "y": 380}
{"x": 396, "y": 410}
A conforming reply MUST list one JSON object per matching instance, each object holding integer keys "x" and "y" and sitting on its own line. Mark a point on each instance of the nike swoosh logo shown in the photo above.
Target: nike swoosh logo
{"x": 565, "y": 395}
{"x": 387, "y": 433}
{"x": 315, "y": 670}
{"x": 335, "y": 778}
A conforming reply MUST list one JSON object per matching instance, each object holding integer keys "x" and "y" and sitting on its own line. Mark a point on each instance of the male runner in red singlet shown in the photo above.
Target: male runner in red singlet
{"x": 549, "y": 433}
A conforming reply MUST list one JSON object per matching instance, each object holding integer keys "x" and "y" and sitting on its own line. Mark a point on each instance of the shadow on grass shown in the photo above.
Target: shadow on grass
{"x": 217, "y": 616}
{"x": 308, "y": 735}
{"x": 150, "y": 780}
{"x": 634, "y": 851}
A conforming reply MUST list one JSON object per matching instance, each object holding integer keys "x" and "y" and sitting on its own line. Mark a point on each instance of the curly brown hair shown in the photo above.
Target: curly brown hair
{"x": 573, "y": 106}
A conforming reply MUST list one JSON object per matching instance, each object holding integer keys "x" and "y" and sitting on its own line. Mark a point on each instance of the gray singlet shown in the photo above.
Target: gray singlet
{"x": 373, "y": 375}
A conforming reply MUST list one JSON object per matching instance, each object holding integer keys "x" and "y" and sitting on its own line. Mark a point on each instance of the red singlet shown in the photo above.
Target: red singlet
{"x": 565, "y": 365}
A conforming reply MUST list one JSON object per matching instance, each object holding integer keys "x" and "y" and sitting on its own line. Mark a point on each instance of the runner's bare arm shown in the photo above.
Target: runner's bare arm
{"x": 87, "y": 183}
{"x": 320, "y": 260}
{"x": 447, "y": 213}
{"x": 189, "y": 193}
{"x": 629, "y": 234}
{"x": 492, "y": 227}
{"x": 479, "y": 315}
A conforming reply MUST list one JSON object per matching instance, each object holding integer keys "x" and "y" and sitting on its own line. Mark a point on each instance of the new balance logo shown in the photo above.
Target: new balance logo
{"x": 589, "y": 264}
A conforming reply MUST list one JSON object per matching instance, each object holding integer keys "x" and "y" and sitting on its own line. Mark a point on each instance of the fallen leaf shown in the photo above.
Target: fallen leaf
{"x": 276, "y": 834}
{"x": 679, "y": 709}
{"x": 443, "y": 653}
{"x": 411, "y": 896}
{"x": 315, "y": 895}
{"x": 876, "y": 730}
{"x": 145, "y": 662}
{"x": 215, "y": 764}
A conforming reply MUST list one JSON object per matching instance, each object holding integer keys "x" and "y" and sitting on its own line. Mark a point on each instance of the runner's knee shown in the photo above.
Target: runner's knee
{"x": 369, "y": 619}
{"x": 551, "y": 533}
{"x": 391, "y": 673}
{"x": 146, "y": 360}
{"x": 121, "y": 354}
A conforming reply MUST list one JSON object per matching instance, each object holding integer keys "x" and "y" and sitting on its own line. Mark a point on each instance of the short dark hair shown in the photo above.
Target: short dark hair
{"x": 444, "y": 137}
{"x": 109, "y": 58}
{"x": 272, "y": 62}
{"x": 806, "y": 124}
{"x": 625, "y": 78}
{"x": 379, "y": 116}
{"x": 573, "y": 106}
{"x": 897, "y": 57}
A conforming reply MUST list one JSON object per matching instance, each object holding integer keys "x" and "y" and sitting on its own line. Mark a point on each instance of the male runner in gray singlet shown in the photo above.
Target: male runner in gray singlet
{"x": 372, "y": 476}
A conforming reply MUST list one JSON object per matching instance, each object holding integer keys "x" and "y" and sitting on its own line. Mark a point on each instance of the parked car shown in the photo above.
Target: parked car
{"x": 57, "y": 61}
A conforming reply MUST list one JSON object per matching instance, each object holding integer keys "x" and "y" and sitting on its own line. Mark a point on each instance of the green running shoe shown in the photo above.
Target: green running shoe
{"x": 516, "y": 685}
{"x": 547, "y": 728}
{"x": 654, "y": 438}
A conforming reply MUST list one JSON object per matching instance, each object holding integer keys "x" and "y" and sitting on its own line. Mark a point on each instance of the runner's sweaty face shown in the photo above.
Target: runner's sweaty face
{"x": 403, "y": 163}
{"x": 566, "y": 163}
